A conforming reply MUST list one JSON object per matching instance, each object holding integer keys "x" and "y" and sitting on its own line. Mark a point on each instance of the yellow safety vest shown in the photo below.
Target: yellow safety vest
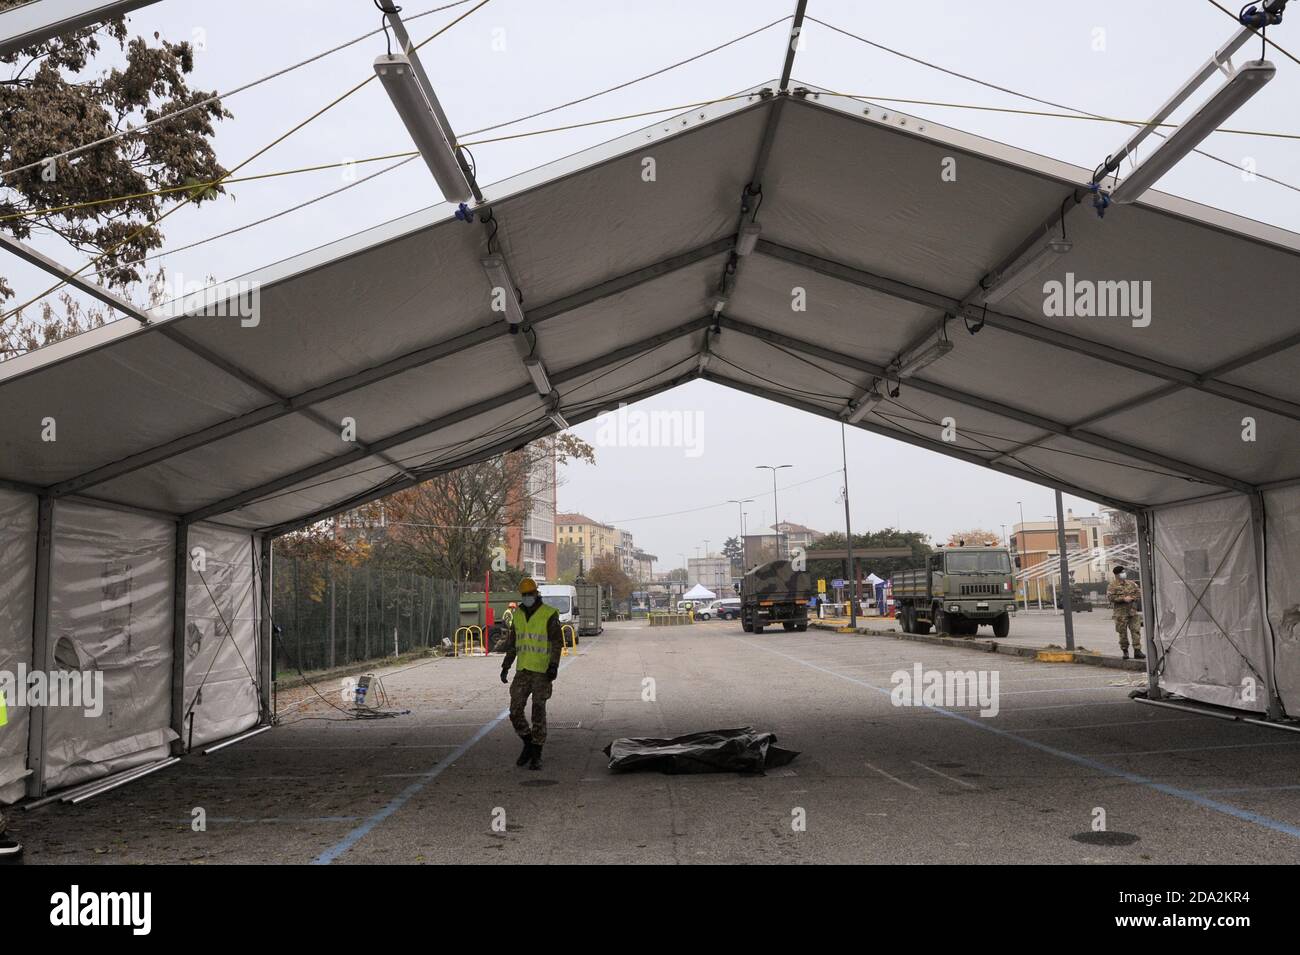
{"x": 4, "y": 711}
{"x": 532, "y": 648}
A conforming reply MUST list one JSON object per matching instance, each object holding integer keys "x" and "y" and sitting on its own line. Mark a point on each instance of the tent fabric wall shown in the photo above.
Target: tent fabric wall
{"x": 1207, "y": 609}
{"x": 17, "y": 589}
{"x": 1282, "y": 530}
{"x": 222, "y": 612}
{"x": 110, "y": 613}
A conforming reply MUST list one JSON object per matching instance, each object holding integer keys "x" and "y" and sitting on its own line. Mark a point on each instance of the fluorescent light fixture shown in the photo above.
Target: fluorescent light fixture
{"x": 924, "y": 357}
{"x": 718, "y": 305}
{"x": 537, "y": 371}
{"x": 495, "y": 267}
{"x": 403, "y": 88}
{"x": 558, "y": 419}
{"x": 1021, "y": 271}
{"x": 863, "y": 408}
{"x": 748, "y": 238}
{"x": 1245, "y": 82}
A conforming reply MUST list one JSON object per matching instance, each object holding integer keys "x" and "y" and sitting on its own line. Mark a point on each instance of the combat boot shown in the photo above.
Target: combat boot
{"x": 1123, "y": 652}
{"x": 1138, "y": 654}
{"x": 527, "y": 752}
{"x": 536, "y": 761}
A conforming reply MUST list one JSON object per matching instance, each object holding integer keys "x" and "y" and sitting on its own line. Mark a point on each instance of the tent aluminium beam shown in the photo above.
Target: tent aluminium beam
{"x": 927, "y": 444}
{"x": 1146, "y": 577}
{"x": 418, "y": 431}
{"x": 416, "y": 359}
{"x": 1257, "y": 530}
{"x": 36, "y": 22}
{"x": 543, "y": 428}
{"x": 180, "y": 580}
{"x": 1179, "y": 468}
{"x": 265, "y": 621}
{"x": 41, "y": 650}
{"x": 1026, "y": 329}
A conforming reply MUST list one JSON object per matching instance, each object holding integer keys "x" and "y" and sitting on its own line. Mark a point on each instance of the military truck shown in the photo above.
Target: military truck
{"x": 775, "y": 593}
{"x": 959, "y": 590}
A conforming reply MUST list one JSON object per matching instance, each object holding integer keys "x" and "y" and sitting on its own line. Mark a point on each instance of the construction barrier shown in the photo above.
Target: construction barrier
{"x": 671, "y": 619}
{"x": 470, "y": 634}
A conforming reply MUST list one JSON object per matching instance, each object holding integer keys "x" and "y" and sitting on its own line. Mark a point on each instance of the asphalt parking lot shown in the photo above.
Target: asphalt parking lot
{"x": 874, "y": 782}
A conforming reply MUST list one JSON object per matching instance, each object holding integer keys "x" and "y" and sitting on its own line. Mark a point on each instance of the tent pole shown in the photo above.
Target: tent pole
{"x": 40, "y": 643}
{"x": 180, "y": 572}
{"x": 265, "y": 622}
{"x": 1261, "y": 571}
{"x": 1146, "y": 572}
{"x": 1065, "y": 573}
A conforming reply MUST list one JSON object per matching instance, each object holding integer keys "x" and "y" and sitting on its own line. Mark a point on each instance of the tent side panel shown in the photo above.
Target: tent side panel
{"x": 221, "y": 634}
{"x": 1208, "y": 619}
{"x": 1282, "y": 519}
{"x": 110, "y": 619}
{"x": 17, "y": 590}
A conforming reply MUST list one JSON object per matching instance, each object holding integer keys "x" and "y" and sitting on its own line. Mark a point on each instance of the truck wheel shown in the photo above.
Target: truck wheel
{"x": 787, "y": 625}
{"x": 1002, "y": 625}
{"x": 905, "y": 619}
{"x": 758, "y": 628}
{"x": 919, "y": 626}
{"x": 800, "y": 627}
{"x": 746, "y": 625}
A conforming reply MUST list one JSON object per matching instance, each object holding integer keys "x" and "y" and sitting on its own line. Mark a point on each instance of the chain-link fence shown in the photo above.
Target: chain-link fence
{"x": 335, "y": 614}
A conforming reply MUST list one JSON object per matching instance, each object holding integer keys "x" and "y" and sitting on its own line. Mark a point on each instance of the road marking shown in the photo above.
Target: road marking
{"x": 1099, "y": 726}
{"x": 894, "y": 778}
{"x": 1200, "y": 749}
{"x": 959, "y": 782}
{"x": 1185, "y": 794}
{"x": 401, "y": 799}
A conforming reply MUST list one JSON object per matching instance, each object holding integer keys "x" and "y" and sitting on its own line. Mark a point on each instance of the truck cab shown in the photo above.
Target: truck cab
{"x": 959, "y": 590}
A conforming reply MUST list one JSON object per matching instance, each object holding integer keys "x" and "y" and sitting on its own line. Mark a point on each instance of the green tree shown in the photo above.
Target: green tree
{"x": 57, "y": 96}
{"x": 880, "y": 566}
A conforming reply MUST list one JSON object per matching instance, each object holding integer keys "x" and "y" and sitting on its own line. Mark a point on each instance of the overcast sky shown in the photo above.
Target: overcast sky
{"x": 556, "y": 51}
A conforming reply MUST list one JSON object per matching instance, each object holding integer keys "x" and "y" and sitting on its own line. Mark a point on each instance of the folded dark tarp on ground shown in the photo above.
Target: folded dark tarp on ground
{"x": 743, "y": 750}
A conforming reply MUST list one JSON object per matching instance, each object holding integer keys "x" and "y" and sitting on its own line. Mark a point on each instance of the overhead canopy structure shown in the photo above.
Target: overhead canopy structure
{"x": 366, "y": 365}
{"x": 699, "y": 592}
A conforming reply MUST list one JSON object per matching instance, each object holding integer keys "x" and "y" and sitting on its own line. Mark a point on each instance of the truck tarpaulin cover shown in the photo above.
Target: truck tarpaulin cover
{"x": 743, "y": 750}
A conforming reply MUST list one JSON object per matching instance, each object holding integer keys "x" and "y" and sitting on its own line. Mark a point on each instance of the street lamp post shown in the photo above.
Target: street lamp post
{"x": 848, "y": 534}
{"x": 740, "y": 507}
{"x": 776, "y": 513}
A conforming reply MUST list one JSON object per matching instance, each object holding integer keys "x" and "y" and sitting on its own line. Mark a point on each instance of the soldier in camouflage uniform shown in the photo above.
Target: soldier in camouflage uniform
{"x": 9, "y": 848}
{"x": 1123, "y": 596}
{"x": 535, "y": 639}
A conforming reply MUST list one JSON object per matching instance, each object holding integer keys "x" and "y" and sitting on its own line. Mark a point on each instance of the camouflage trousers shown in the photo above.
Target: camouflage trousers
{"x": 1129, "y": 624}
{"x": 2, "y": 823}
{"x": 528, "y": 683}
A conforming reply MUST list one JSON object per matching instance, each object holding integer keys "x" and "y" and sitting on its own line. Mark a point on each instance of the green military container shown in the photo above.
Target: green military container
{"x": 774, "y": 593}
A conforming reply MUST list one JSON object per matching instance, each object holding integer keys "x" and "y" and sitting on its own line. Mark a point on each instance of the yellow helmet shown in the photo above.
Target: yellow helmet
{"x": 528, "y": 586}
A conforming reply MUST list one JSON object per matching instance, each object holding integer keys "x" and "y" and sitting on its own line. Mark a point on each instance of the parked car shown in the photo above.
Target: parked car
{"x": 727, "y": 608}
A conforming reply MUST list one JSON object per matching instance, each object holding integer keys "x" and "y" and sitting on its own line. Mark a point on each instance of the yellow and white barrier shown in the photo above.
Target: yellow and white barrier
{"x": 467, "y": 637}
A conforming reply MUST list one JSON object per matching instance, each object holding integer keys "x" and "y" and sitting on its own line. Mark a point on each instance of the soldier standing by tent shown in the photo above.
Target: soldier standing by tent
{"x": 1123, "y": 595}
{"x": 535, "y": 639}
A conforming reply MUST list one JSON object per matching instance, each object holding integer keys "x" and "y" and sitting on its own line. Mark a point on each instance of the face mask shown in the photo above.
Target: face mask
{"x": 529, "y": 601}
{"x": 1123, "y": 575}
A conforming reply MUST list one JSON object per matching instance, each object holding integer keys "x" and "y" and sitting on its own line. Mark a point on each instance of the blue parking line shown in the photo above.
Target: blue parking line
{"x": 405, "y": 796}
{"x": 1185, "y": 794}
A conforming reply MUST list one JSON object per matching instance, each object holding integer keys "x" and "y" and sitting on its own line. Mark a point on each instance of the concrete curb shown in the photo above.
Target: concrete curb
{"x": 986, "y": 646}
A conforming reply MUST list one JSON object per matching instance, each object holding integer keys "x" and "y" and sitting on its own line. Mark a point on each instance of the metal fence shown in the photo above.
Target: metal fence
{"x": 332, "y": 614}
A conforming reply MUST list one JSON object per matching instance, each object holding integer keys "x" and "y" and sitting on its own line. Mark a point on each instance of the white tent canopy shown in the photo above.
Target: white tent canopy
{"x": 373, "y": 362}
{"x": 699, "y": 592}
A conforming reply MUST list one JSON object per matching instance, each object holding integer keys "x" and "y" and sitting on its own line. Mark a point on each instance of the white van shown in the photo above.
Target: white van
{"x": 563, "y": 597}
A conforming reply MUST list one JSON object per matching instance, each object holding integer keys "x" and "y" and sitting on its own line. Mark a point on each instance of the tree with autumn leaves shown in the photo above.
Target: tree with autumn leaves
{"x": 59, "y": 95}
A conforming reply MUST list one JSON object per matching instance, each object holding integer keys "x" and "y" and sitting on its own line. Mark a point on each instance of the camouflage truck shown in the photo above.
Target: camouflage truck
{"x": 774, "y": 593}
{"x": 959, "y": 590}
